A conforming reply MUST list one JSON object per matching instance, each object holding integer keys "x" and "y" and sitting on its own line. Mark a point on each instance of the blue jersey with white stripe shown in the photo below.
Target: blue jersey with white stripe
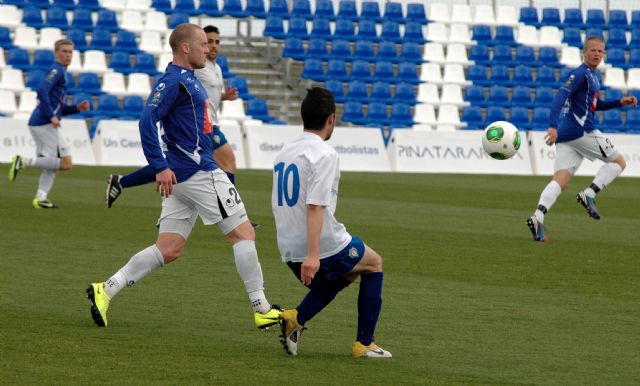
{"x": 578, "y": 101}
{"x": 51, "y": 91}
{"x": 178, "y": 109}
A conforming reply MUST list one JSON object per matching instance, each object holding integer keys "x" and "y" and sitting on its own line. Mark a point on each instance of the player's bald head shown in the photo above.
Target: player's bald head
{"x": 183, "y": 33}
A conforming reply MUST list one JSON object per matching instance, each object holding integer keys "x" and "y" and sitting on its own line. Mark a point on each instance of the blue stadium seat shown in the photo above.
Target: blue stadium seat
{"x": 317, "y": 48}
{"x": 521, "y": 95}
{"x": 344, "y": 30}
{"x": 573, "y": 18}
{"x": 387, "y": 52}
{"x": 548, "y": 56}
{"x": 337, "y": 69}
{"x": 612, "y": 93}
{"x": 65, "y": 4}
{"x": 364, "y": 51}
{"x": 500, "y": 75}
{"x": 367, "y": 30}
{"x": 410, "y": 52}
{"x": 405, "y": 94}
{"x": 101, "y": 40}
{"x": 519, "y": 117}
{"x": 480, "y": 54}
{"x": 57, "y": 17}
{"x": 257, "y": 108}
{"x": 278, "y": 8}
{"x": 145, "y": 63}
{"x": 416, "y": 13}
{"x": 502, "y": 55}
{"x": 353, "y": 113}
{"x": 321, "y": 29}
{"x": 43, "y": 60}
{"x": 477, "y": 74}
{"x": 393, "y": 12}
{"x": 617, "y": 38}
{"x": 384, "y": 71}
{"x": 523, "y": 76}
{"x": 504, "y": 35}
{"x": 377, "y": 114}
{"x": 401, "y": 115}
{"x": 347, "y": 9}
{"x": 162, "y": 6}
{"x": 595, "y": 19}
{"x": 324, "y": 8}
{"x": 551, "y": 17}
{"x": 472, "y": 116}
{"x": 544, "y": 96}
{"x": 256, "y": 9}
{"x": 177, "y": 18}
{"x": 495, "y": 113}
{"x": 312, "y": 69}
{"x": 89, "y": 83}
{"x": 529, "y": 15}
{"x": 71, "y": 83}
{"x": 546, "y": 77}
{"x": 340, "y": 49}
{"x": 525, "y": 55}
{"x": 357, "y": 91}
{"x": 337, "y": 89}
{"x": 34, "y": 77}
{"x": 274, "y": 27}
{"x": 635, "y": 19}
{"x": 5, "y": 38}
{"x": 108, "y": 106}
{"x": 211, "y": 8}
{"x": 498, "y": 96}
{"x": 39, "y": 3}
{"x": 380, "y": 92}
{"x": 634, "y": 58}
{"x": 564, "y": 75}
{"x": 93, "y": 5}
{"x": 82, "y": 19}
{"x": 595, "y": 32}
{"x": 408, "y": 72}
{"x": 370, "y": 11}
{"x": 298, "y": 28}
{"x": 126, "y": 41}
{"x": 616, "y": 58}
{"x": 107, "y": 20}
{"x": 482, "y": 35}
{"x": 633, "y": 121}
{"x": 19, "y": 58}
{"x": 293, "y": 48}
{"x": 79, "y": 39}
{"x": 572, "y": 37}
{"x": 79, "y": 97}
{"x": 635, "y": 38}
{"x": 240, "y": 84}
{"x": 475, "y": 96}
{"x": 618, "y": 19}
{"x": 635, "y": 93}
{"x": 186, "y": 6}
{"x": 361, "y": 70}
{"x": 612, "y": 121}
{"x": 540, "y": 119}
{"x": 120, "y": 62}
{"x": 223, "y": 62}
{"x": 413, "y": 32}
{"x": 390, "y": 32}
{"x": 301, "y": 8}
{"x": 132, "y": 105}
{"x": 32, "y": 16}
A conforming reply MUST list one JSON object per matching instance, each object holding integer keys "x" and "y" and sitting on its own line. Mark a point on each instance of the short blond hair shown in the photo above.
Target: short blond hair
{"x": 62, "y": 42}
{"x": 183, "y": 33}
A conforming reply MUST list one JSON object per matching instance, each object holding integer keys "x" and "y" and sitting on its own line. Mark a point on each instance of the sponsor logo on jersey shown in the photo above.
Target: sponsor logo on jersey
{"x": 155, "y": 100}
{"x": 353, "y": 252}
{"x": 161, "y": 86}
{"x": 229, "y": 202}
{"x": 569, "y": 82}
{"x": 52, "y": 74}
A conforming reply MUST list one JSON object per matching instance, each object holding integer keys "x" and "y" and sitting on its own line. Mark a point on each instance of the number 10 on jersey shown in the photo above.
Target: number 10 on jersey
{"x": 288, "y": 183}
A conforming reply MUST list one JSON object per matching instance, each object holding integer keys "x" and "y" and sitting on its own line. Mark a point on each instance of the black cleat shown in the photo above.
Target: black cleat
{"x": 114, "y": 189}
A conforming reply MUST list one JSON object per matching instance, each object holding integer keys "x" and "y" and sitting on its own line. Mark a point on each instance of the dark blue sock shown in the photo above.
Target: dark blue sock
{"x": 369, "y": 305}
{"x": 232, "y": 177}
{"x": 141, "y": 176}
{"x": 320, "y": 295}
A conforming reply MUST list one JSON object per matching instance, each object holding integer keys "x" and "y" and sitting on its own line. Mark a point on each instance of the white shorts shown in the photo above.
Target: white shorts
{"x": 593, "y": 145}
{"x": 49, "y": 141}
{"x": 209, "y": 195}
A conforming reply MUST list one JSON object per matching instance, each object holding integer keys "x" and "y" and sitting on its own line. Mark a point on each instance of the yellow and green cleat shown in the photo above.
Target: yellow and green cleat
{"x": 99, "y": 303}
{"x": 264, "y": 321}
{"x": 16, "y": 166}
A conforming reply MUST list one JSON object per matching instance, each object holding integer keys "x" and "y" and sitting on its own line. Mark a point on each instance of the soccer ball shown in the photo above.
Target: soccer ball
{"x": 501, "y": 140}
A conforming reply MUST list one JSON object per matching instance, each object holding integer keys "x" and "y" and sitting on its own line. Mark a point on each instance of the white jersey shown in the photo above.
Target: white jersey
{"x": 306, "y": 171}
{"x": 211, "y": 77}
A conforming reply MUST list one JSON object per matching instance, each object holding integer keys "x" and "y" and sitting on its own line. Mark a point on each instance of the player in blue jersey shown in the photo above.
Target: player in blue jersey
{"x": 53, "y": 152}
{"x": 315, "y": 246}
{"x": 576, "y": 137}
{"x": 189, "y": 181}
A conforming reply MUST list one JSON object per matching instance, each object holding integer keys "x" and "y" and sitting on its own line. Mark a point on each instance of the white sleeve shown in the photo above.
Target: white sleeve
{"x": 321, "y": 177}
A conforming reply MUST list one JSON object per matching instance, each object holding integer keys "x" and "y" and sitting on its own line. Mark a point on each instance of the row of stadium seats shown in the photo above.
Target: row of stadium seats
{"x": 363, "y": 50}
{"x": 573, "y": 17}
{"x": 360, "y": 70}
{"x": 377, "y": 114}
{"x": 358, "y": 90}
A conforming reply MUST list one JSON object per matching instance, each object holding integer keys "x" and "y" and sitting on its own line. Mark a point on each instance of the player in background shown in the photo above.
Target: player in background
{"x": 577, "y": 138}
{"x": 211, "y": 77}
{"x": 189, "y": 181}
{"x": 316, "y": 247}
{"x": 53, "y": 152}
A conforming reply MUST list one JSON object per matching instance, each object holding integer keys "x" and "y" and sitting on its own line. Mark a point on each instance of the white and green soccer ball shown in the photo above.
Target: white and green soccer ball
{"x": 501, "y": 140}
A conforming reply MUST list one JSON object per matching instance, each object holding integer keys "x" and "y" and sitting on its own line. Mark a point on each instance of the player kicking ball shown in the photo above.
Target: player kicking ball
{"x": 316, "y": 247}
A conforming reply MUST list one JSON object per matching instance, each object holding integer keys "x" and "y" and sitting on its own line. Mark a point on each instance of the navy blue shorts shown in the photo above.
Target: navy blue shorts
{"x": 218, "y": 137}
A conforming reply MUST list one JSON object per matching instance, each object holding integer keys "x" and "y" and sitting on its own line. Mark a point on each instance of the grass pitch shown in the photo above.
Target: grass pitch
{"x": 469, "y": 298}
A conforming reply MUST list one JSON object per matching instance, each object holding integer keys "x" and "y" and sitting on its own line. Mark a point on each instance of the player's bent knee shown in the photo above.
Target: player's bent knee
{"x": 170, "y": 245}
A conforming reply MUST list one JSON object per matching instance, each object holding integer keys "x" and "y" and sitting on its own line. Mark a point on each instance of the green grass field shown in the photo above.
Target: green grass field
{"x": 469, "y": 298}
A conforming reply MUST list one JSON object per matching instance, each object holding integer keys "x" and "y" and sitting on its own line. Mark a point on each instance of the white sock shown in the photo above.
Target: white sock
{"x": 605, "y": 175}
{"x": 250, "y": 272}
{"x": 50, "y": 163}
{"x": 139, "y": 266}
{"x": 47, "y": 178}
{"x": 547, "y": 198}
